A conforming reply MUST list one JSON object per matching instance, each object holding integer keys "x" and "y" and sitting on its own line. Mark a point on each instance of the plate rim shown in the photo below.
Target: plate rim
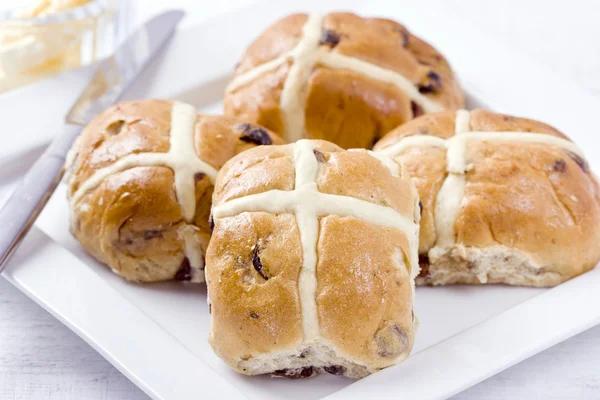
{"x": 359, "y": 389}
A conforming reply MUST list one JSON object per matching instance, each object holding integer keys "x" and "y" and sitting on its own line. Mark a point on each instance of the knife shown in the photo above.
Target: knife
{"x": 108, "y": 84}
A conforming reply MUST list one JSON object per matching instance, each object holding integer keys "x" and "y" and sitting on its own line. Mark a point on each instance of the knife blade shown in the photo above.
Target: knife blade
{"x": 108, "y": 84}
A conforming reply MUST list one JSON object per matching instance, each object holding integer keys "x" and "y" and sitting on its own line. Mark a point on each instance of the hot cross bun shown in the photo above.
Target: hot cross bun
{"x": 311, "y": 263}
{"x": 140, "y": 183}
{"x": 505, "y": 199}
{"x": 339, "y": 77}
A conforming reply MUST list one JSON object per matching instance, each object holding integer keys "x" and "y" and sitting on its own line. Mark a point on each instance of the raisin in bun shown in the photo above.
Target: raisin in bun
{"x": 311, "y": 263}
{"x": 339, "y": 77}
{"x": 140, "y": 186}
{"x": 505, "y": 200}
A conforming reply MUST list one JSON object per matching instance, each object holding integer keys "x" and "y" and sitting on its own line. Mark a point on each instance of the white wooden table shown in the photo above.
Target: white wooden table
{"x": 42, "y": 359}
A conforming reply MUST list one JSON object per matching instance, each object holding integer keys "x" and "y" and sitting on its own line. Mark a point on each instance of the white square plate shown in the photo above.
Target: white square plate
{"x": 156, "y": 334}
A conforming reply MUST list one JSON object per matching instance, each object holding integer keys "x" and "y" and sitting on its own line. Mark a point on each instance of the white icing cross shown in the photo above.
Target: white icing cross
{"x": 451, "y": 194}
{"x": 184, "y": 162}
{"x": 305, "y": 56}
{"x": 449, "y": 199}
{"x": 308, "y": 204}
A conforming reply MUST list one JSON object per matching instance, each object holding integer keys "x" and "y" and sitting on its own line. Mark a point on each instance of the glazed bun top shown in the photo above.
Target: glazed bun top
{"x": 488, "y": 179}
{"x": 140, "y": 181}
{"x": 339, "y": 77}
{"x": 312, "y": 260}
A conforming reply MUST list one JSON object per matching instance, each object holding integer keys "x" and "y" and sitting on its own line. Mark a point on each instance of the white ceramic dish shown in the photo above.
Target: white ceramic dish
{"x": 156, "y": 334}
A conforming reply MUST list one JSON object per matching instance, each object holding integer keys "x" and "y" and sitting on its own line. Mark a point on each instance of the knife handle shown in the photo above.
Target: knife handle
{"x": 29, "y": 198}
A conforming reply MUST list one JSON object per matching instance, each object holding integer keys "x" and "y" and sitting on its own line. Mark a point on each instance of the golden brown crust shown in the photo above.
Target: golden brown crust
{"x": 426, "y": 166}
{"x": 251, "y": 315}
{"x": 482, "y": 120}
{"x": 439, "y": 124}
{"x": 533, "y": 199}
{"x": 536, "y": 199}
{"x": 232, "y": 181}
{"x": 363, "y": 295}
{"x": 132, "y": 221}
{"x": 346, "y": 174}
{"x": 263, "y": 109}
{"x": 121, "y": 130}
{"x": 360, "y": 116}
{"x": 343, "y": 107}
{"x": 281, "y": 36}
{"x": 352, "y": 315}
{"x": 428, "y": 176}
